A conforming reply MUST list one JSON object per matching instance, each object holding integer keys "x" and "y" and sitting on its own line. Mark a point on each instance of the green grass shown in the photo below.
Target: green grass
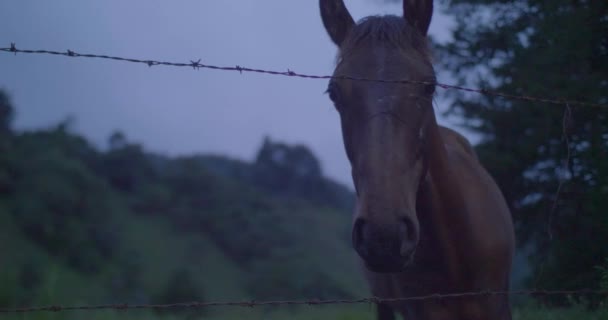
{"x": 532, "y": 311}
{"x": 355, "y": 312}
{"x": 163, "y": 251}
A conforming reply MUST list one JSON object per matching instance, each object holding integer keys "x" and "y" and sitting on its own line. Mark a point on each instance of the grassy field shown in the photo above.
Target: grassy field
{"x": 361, "y": 312}
{"x": 164, "y": 252}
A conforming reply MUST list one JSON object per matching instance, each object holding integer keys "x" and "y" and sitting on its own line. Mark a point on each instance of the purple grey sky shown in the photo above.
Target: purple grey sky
{"x": 178, "y": 110}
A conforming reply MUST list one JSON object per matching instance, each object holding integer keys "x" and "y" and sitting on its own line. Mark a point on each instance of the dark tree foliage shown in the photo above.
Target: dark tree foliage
{"x": 58, "y": 202}
{"x": 556, "y": 49}
{"x": 294, "y": 171}
{"x": 125, "y": 164}
{"x": 6, "y": 116}
{"x": 283, "y": 168}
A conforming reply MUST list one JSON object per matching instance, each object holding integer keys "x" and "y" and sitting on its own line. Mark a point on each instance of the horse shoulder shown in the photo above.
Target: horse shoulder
{"x": 490, "y": 217}
{"x": 454, "y": 139}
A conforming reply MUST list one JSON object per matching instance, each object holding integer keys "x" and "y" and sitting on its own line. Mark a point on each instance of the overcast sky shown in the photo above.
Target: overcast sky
{"x": 179, "y": 110}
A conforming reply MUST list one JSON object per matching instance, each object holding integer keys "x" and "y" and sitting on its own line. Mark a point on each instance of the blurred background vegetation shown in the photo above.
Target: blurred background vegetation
{"x": 80, "y": 225}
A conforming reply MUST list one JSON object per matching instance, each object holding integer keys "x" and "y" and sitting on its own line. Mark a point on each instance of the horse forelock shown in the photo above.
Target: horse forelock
{"x": 388, "y": 30}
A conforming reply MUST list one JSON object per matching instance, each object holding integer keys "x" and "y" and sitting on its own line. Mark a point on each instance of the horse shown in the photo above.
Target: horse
{"x": 428, "y": 218}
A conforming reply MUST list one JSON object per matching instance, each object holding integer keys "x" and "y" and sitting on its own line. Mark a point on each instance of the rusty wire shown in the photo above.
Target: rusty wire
{"x": 311, "y": 302}
{"x": 196, "y": 64}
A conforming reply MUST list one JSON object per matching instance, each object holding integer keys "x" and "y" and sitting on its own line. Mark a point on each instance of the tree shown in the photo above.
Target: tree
{"x": 555, "y": 49}
{"x": 6, "y": 117}
{"x": 6, "y": 114}
{"x": 59, "y": 202}
{"x": 291, "y": 170}
{"x": 126, "y": 165}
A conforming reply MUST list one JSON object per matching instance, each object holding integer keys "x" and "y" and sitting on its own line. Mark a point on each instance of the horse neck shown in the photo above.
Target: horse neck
{"x": 446, "y": 208}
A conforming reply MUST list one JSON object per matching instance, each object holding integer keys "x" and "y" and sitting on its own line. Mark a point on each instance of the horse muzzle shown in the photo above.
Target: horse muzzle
{"x": 385, "y": 249}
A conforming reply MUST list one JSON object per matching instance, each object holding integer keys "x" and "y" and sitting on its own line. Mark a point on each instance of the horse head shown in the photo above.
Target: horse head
{"x": 384, "y": 124}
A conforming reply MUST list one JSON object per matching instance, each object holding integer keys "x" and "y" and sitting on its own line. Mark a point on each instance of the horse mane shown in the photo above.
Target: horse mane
{"x": 388, "y": 30}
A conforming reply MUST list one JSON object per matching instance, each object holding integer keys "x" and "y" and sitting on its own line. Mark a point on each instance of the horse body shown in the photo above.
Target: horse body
{"x": 429, "y": 219}
{"x": 483, "y": 267}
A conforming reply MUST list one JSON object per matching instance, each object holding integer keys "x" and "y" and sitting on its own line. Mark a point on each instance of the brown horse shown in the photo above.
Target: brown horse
{"x": 428, "y": 218}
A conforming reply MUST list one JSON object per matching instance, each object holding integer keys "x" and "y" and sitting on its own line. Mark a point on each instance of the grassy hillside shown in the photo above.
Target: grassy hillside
{"x": 162, "y": 255}
{"x": 83, "y": 226}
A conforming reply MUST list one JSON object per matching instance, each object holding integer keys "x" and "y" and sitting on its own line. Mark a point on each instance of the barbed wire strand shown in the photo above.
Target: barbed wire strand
{"x": 196, "y": 64}
{"x": 313, "y": 302}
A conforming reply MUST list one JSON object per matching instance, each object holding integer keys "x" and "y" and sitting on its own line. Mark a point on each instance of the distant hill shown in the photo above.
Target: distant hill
{"x": 80, "y": 225}
{"x": 285, "y": 171}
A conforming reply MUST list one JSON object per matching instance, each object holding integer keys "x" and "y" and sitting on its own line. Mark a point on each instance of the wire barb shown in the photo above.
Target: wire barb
{"x": 196, "y": 64}
{"x": 291, "y": 73}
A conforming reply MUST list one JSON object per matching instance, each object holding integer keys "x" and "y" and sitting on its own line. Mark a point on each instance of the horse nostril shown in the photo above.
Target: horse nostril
{"x": 407, "y": 232}
{"x": 408, "y": 229}
{"x": 358, "y": 233}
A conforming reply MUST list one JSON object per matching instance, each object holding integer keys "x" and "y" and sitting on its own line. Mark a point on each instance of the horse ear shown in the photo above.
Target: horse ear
{"x": 336, "y": 19}
{"x": 418, "y": 13}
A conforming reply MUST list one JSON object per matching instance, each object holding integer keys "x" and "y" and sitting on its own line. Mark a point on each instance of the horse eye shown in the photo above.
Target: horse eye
{"x": 429, "y": 89}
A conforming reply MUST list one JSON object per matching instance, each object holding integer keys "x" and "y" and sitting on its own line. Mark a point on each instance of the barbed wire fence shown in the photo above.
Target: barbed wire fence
{"x": 196, "y": 64}
{"x": 313, "y": 302}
